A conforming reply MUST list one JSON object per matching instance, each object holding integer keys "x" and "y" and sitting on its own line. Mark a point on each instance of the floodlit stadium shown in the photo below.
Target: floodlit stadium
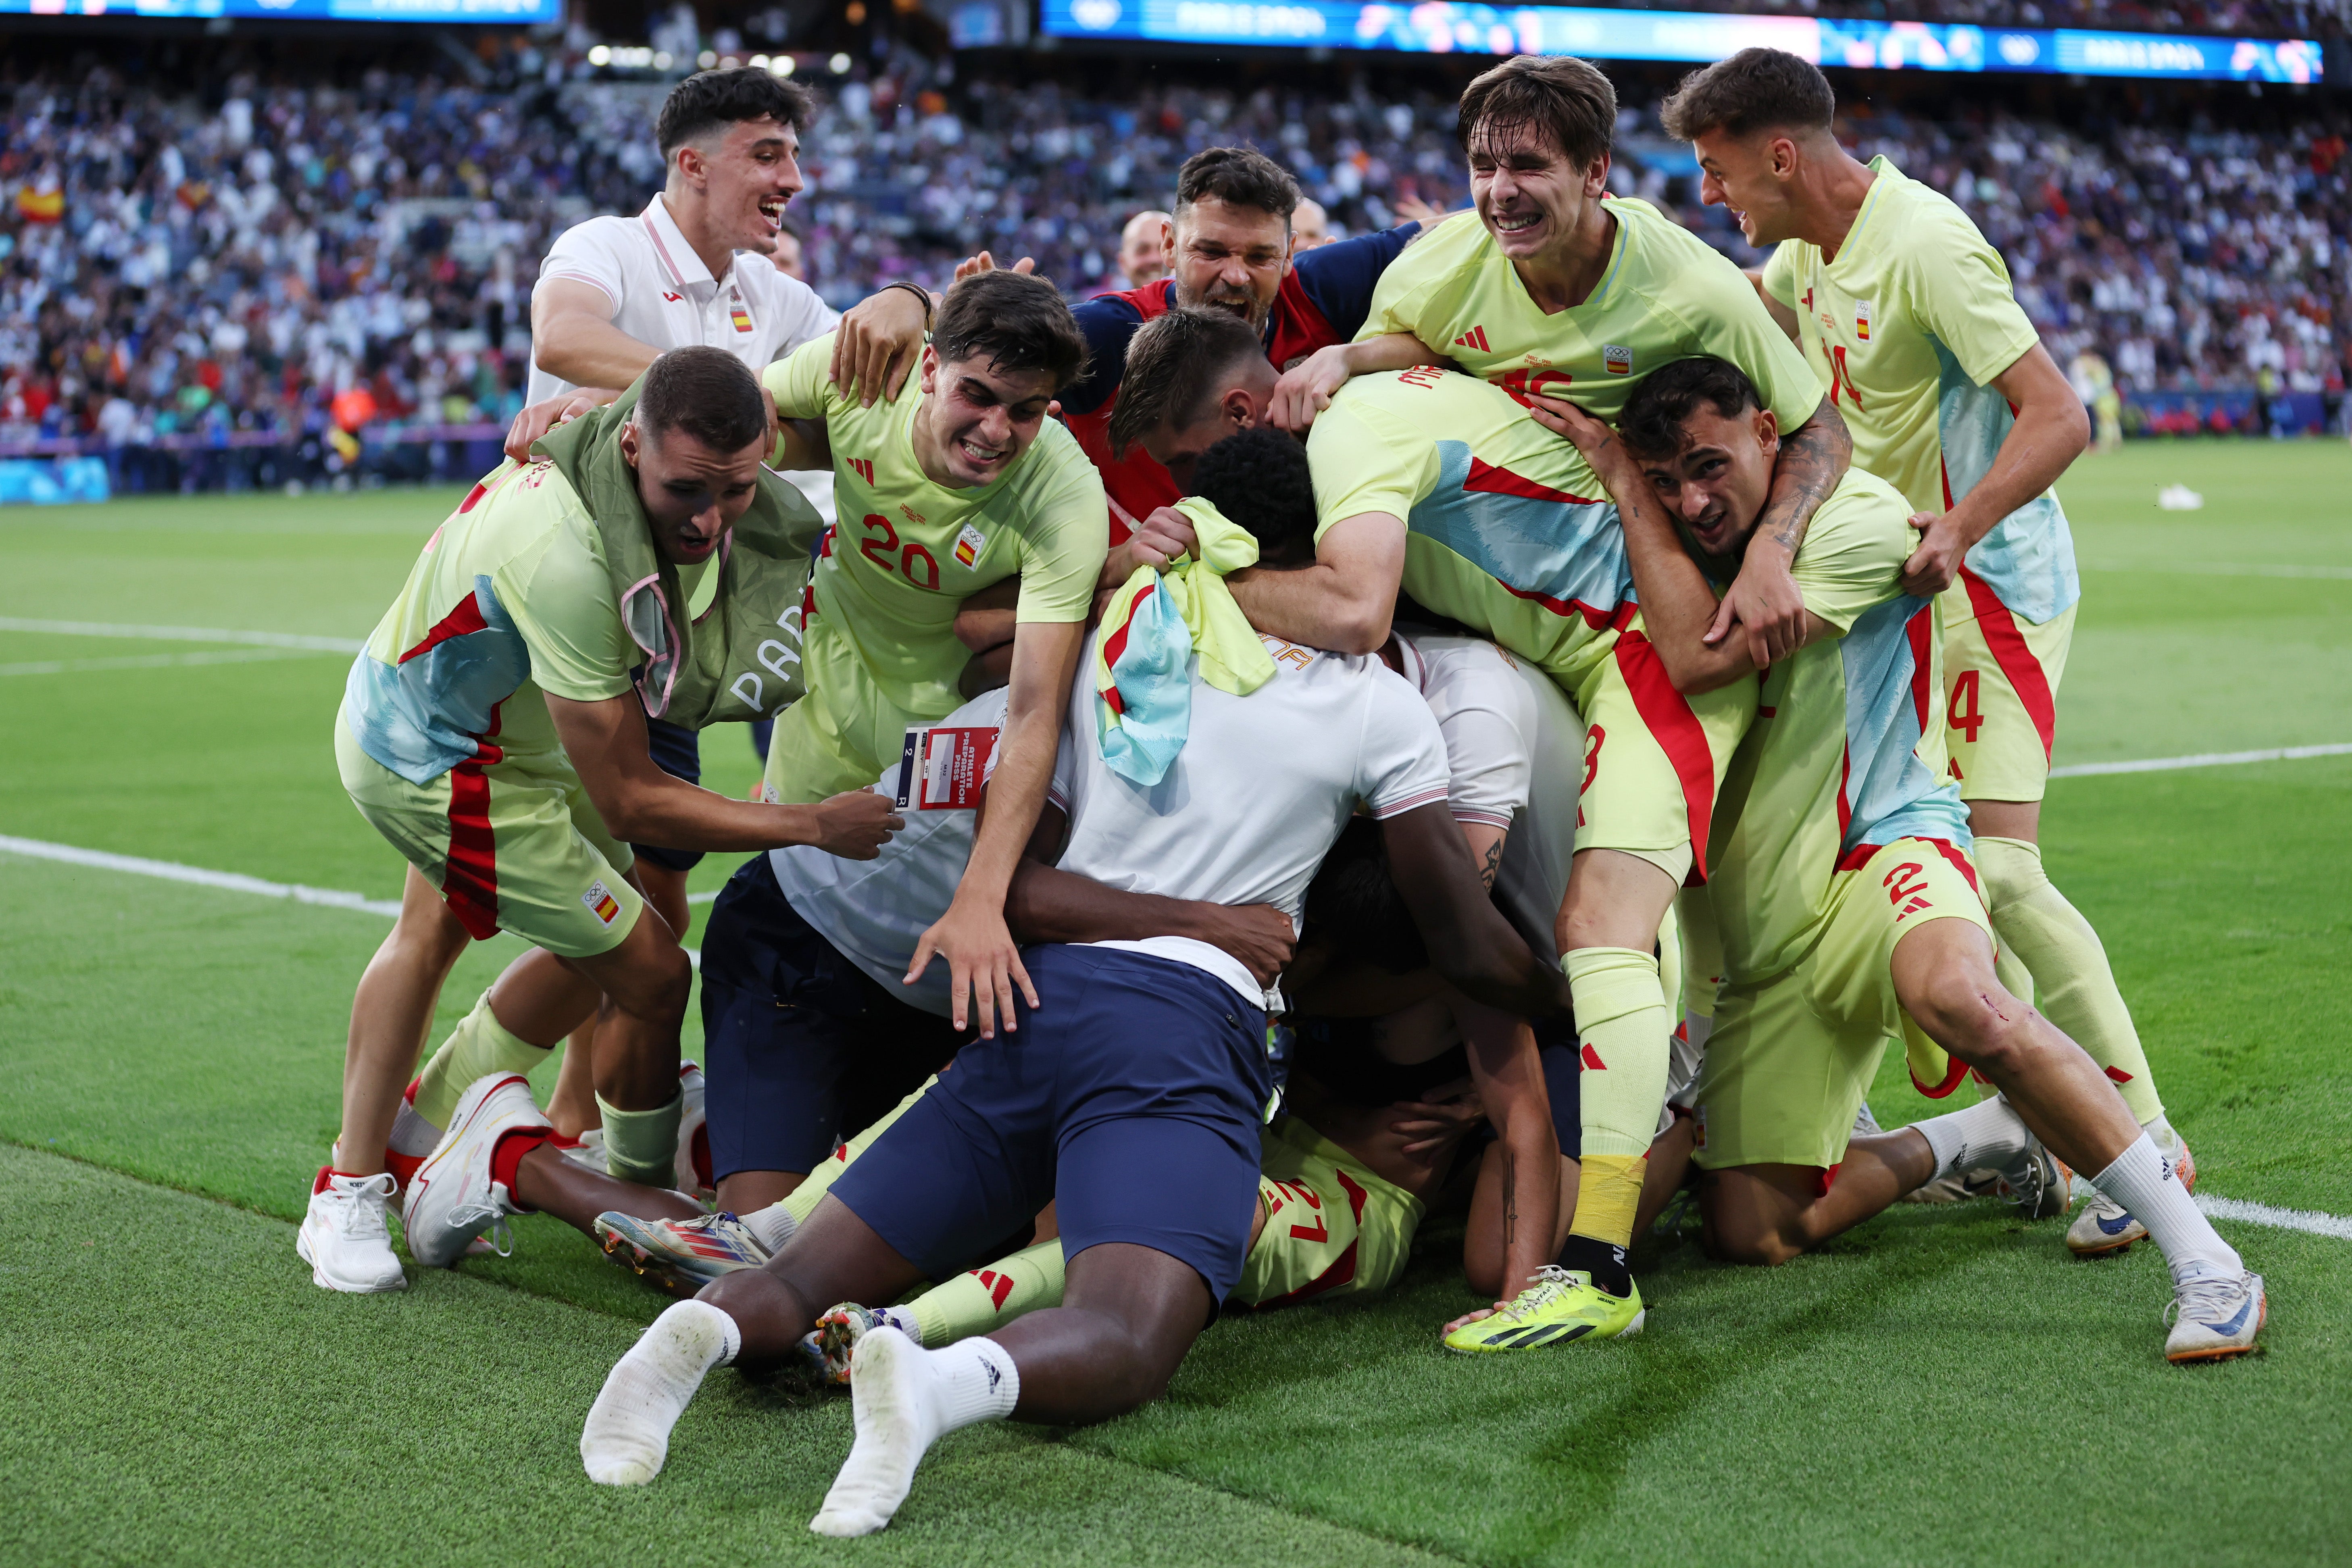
{"x": 1175, "y": 782}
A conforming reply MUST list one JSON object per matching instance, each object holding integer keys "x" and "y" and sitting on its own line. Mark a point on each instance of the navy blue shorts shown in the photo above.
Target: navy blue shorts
{"x": 678, "y": 751}
{"x": 1132, "y": 1100}
{"x": 801, "y": 1047}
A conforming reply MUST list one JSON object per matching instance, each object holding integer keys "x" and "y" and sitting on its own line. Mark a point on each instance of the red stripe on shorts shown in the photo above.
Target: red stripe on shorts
{"x": 2018, "y": 664}
{"x": 470, "y": 877}
{"x": 1676, "y": 729}
{"x": 1917, "y": 630}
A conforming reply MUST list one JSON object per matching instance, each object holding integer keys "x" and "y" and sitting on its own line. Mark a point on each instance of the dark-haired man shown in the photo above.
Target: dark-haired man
{"x": 1132, "y": 1099}
{"x": 1902, "y": 305}
{"x": 957, "y": 483}
{"x": 615, "y": 291}
{"x": 1228, "y": 246}
{"x": 1845, "y": 897}
{"x": 1452, "y": 494}
{"x": 492, "y": 732}
{"x": 1552, "y": 286}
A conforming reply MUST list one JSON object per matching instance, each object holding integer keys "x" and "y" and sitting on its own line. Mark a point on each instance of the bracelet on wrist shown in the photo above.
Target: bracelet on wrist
{"x": 920, "y": 292}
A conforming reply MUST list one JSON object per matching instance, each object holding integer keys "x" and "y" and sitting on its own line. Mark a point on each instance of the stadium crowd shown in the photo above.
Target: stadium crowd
{"x": 240, "y": 262}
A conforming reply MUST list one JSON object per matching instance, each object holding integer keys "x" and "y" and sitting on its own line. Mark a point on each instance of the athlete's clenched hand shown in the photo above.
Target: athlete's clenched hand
{"x": 1259, "y": 935}
{"x": 856, "y": 824}
{"x": 1942, "y": 547}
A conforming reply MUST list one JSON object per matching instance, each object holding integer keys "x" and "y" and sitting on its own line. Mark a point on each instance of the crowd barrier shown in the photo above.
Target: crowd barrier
{"x": 50, "y": 470}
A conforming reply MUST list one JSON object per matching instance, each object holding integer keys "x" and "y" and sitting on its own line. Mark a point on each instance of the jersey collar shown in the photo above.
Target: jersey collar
{"x": 676, "y": 258}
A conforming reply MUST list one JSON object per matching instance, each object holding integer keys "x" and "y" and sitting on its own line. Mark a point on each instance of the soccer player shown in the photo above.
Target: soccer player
{"x": 956, "y": 483}
{"x": 1439, "y": 484}
{"x": 1229, "y": 248}
{"x": 1901, "y": 306}
{"x": 1845, "y": 897}
{"x": 1553, "y": 286}
{"x": 1132, "y": 1097}
{"x": 491, "y": 733}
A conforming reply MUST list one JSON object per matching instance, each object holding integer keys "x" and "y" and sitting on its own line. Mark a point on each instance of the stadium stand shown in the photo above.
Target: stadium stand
{"x": 275, "y": 283}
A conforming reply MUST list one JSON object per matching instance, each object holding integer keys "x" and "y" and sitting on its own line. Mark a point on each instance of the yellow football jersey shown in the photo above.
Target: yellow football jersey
{"x": 1908, "y": 326}
{"x": 1667, "y": 295}
{"x": 906, "y": 552}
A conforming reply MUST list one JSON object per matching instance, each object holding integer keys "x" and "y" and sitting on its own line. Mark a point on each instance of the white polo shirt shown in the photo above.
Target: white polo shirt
{"x": 664, "y": 296}
{"x": 1256, "y": 797}
{"x": 1487, "y": 715}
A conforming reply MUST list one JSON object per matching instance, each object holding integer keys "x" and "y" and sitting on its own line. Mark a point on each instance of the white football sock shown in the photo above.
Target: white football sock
{"x": 627, "y": 1434}
{"x": 2142, "y": 1181}
{"x": 771, "y": 1227}
{"x": 1988, "y": 1135}
{"x": 907, "y": 1398}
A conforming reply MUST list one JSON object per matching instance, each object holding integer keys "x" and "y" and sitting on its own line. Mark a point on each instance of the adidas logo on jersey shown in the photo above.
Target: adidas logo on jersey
{"x": 863, "y": 468}
{"x": 1476, "y": 338}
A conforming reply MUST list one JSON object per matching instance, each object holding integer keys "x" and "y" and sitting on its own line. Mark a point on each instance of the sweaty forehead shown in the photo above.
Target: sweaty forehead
{"x": 745, "y": 135}
{"x": 1214, "y": 219}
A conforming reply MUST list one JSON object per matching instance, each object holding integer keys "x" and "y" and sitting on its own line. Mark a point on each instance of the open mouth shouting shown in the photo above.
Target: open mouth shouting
{"x": 771, "y": 211}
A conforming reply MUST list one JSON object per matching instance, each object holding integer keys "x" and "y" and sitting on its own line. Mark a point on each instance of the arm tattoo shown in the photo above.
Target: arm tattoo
{"x": 1813, "y": 457}
{"x": 1494, "y": 865}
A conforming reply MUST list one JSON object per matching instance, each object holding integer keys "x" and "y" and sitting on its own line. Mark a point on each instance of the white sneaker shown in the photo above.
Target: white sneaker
{"x": 2214, "y": 1316}
{"x": 343, "y": 1236}
{"x": 452, "y": 1199}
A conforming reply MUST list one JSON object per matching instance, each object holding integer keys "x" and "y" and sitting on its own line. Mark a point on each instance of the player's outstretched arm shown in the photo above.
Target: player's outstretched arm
{"x": 1508, "y": 1073}
{"x": 1470, "y": 943}
{"x": 642, "y": 805}
{"x": 573, "y": 336}
{"x": 2050, "y": 431}
{"x": 1342, "y": 603}
{"x": 972, "y": 935}
{"x": 1763, "y": 602}
{"x": 1051, "y": 905}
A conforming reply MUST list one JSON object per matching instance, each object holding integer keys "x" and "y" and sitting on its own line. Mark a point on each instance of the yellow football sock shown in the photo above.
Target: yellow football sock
{"x": 1621, "y": 1029}
{"x": 2073, "y": 984}
{"x": 478, "y": 1046}
{"x": 987, "y": 1299}
{"x": 641, "y": 1146}
{"x": 801, "y": 1202}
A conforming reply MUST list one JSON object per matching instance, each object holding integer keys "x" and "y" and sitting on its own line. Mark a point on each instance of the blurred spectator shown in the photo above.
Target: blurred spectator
{"x": 224, "y": 272}
{"x": 1143, "y": 250}
{"x": 1310, "y": 225}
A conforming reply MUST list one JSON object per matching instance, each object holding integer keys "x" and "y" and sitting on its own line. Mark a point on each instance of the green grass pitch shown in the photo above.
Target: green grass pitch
{"x": 1940, "y": 1386}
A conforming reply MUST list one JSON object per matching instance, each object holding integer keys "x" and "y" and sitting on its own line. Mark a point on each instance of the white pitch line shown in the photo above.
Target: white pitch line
{"x": 2202, "y": 760}
{"x": 2219, "y": 568}
{"x": 154, "y": 660}
{"x": 202, "y": 877}
{"x": 173, "y": 871}
{"x": 180, "y": 634}
{"x": 2311, "y": 1220}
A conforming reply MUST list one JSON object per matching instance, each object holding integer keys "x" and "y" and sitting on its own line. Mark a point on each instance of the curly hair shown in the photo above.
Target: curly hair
{"x": 713, "y": 100}
{"x": 1652, "y": 424}
{"x": 1259, "y": 480}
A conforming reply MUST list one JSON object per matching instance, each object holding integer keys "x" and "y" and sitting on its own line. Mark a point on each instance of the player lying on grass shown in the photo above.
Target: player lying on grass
{"x": 1342, "y": 1185}
{"x": 1554, "y": 285}
{"x": 1843, "y": 890}
{"x": 1438, "y": 485}
{"x": 1901, "y": 304}
{"x": 491, "y": 733}
{"x": 779, "y": 1071}
{"x": 1132, "y": 1095}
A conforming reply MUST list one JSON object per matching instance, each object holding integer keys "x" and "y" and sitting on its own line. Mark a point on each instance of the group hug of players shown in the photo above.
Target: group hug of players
{"x": 1555, "y": 711}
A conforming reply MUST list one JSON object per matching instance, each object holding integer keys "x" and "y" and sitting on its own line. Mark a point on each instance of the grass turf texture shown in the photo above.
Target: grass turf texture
{"x": 1941, "y": 1386}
